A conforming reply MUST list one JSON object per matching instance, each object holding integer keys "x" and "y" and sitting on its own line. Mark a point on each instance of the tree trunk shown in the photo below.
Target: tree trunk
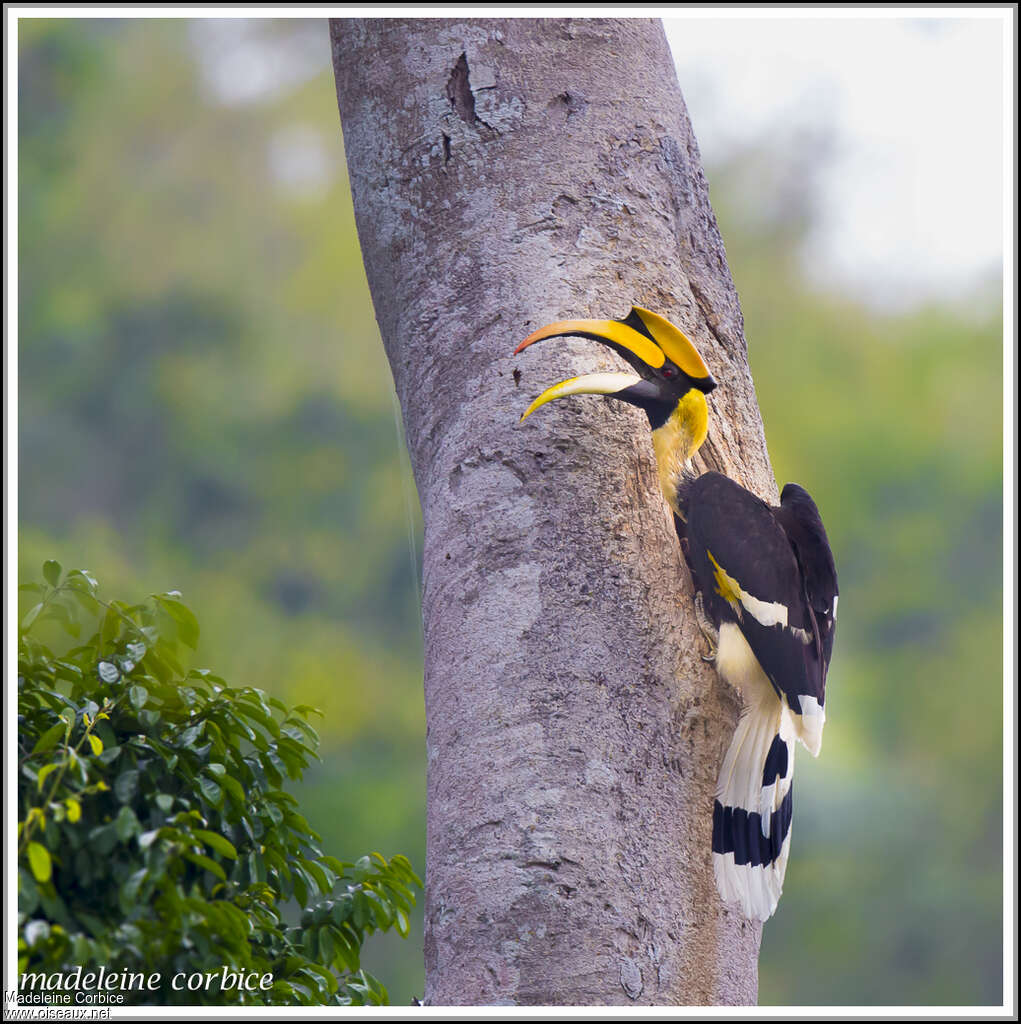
{"x": 507, "y": 173}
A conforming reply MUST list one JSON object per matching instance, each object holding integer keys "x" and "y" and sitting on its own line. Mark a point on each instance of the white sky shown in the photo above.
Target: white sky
{"x": 912, "y": 187}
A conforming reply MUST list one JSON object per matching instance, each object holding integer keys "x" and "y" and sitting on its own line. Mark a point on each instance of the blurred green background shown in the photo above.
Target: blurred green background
{"x": 204, "y": 405}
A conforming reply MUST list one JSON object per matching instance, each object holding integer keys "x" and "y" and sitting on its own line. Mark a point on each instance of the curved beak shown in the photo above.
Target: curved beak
{"x": 648, "y": 342}
{"x": 618, "y": 334}
{"x": 645, "y": 339}
{"x": 589, "y": 384}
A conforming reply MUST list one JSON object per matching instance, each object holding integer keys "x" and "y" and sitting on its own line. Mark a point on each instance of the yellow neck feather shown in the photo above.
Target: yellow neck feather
{"x": 678, "y": 439}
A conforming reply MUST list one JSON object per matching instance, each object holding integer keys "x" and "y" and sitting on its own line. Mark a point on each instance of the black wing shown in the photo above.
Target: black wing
{"x": 802, "y": 523}
{"x": 749, "y": 573}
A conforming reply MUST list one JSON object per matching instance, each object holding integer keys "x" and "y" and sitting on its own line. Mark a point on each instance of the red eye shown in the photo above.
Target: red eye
{"x": 669, "y": 372}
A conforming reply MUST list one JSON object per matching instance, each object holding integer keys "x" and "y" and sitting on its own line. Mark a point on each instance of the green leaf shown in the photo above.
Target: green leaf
{"x": 126, "y": 824}
{"x": 190, "y": 735}
{"x": 28, "y": 892}
{"x": 138, "y": 695}
{"x": 245, "y": 707}
{"x": 361, "y": 910}
{"x": 126, "y": 785}
{"x": 135, "y": 651}
{"x": 159, "y": 667}
{"x": 30, "y": 616}
{"x": 103, "y": 839}
{"x": 212, "y": 793}
{"x": 44, "y": 772}
{"x": 50, "y": 738}
{"x": 110, "y": 754}
{"x": 96, "y": 743}
{"x": 184, "y": 619}
{"x": 310, "y": 734}
{"x": 382, "y": 913}
{"x": 129, "y": 891}
{"x": 219, "y": 843}
{"x": 319, "y": 875}
{"x": 82, "y": 580}
{"x": 402, "y": 866}
{"x": 110, "y": 626}
{"x": 206, "y": 862}
{"x": 40, "y": 862}
{"x": 234, "y": 788}
{"x": 108, "y": 671}
{"x": 347, "y": 953}
{"x": 68, "y": 670}
{"x": 256, "y": 868}
{"x": 325, "y": 938}
{"x": 74, "y": 809}
{"x": 52, "y": 571}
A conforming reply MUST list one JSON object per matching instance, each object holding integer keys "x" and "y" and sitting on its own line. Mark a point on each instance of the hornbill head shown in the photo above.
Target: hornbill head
{"x": 667, "y": 363}
{"x": 670, "y": 383}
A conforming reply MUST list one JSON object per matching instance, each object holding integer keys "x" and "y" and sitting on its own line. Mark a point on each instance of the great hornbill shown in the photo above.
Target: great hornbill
{"x": 765, "y": 595}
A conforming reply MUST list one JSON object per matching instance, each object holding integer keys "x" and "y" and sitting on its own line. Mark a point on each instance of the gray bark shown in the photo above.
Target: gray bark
{"x": 507, "y": 173}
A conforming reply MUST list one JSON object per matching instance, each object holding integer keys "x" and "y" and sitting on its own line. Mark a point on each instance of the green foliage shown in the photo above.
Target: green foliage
{"x": 154, "y": 835}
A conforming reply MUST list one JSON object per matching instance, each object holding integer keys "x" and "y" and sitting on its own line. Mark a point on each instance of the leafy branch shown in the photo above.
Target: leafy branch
{"x": 164, "y": 840}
